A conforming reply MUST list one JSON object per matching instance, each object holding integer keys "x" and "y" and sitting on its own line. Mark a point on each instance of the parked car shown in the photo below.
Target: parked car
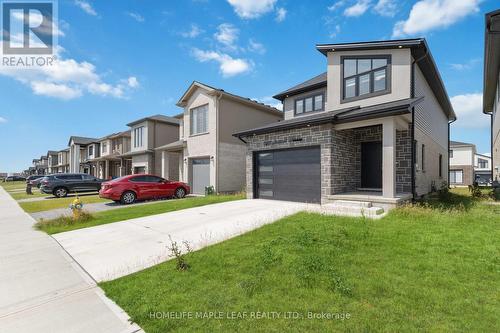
{"x": 61, "y": 184}
{"x": 14, "y": 179}
{"x": 131, "y": 188}
{"x": 35, "y": 181}
{"x": 34, "y": 177}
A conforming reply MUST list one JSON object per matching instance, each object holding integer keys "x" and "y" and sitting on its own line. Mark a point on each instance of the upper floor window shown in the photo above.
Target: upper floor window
{"x": 451, "y": 153}
{"x": 483, "y": 164}
{"x": 104, "y": 147}
{"x": 364, "y": 77}
{"x": 309, "y": 104}
{"x": 91, "y": 150}
{"x": 199, "y": 120}
{"x": 138, "y": 136}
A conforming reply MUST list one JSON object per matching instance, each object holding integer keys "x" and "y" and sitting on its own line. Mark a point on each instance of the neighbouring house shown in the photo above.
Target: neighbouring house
{"x": 482, "y": 169}
{"x": 467, "y": 166}
{"x": 491, "y": 89}
{"x": 106, "y": 156}
{"x": 78, "y": 156}
{"x": 51, "y": 161}
{"x": 146, "y": 135}
{"x": 462, "y": 163}
{"x": 206, "y": 154}
{"x": 63, "y": 161}
{"x": 41, "y": 165}
{"x": 373, "y": 129}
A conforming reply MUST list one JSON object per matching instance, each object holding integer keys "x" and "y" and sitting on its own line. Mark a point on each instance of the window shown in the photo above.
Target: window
{"x": 365, "y": 77}
{"x": 199, "y": 120}
{"x": 456, "y": 176}
{"x": 138, "y": 179}
{"x": 91, "y": 150}
{"x": 423, "y": 157}
{"x": 88, "y": 177}
{"x": 309, "y": 104}
{"x": 451, "y": 153}
{"x": 138, "y": 136}
{"x": 483, "y": 164}
{"x": 440, "y": 166}
{"x": 104, "y": 147}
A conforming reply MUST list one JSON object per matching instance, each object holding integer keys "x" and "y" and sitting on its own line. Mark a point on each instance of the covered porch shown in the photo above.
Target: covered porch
{"x": 172, "y": 157}
{"x": 109, "y": 167}
{"x": 371, "y": 160}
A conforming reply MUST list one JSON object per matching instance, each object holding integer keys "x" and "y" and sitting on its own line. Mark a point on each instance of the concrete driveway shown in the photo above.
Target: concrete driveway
{"x": 42, "y": 289}
{"x": 113, "y": 250}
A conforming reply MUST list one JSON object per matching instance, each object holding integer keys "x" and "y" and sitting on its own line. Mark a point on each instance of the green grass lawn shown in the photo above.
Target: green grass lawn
{"x": 36, "y": 194}
{"x": 433, "y": 267}
{"x": 54, "y": 203}
{"x": 9, "y": 186}
{"x": 65, "y": 224}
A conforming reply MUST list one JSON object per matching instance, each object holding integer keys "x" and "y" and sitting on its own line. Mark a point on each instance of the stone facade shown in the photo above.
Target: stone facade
{"x": 340, "y": 154}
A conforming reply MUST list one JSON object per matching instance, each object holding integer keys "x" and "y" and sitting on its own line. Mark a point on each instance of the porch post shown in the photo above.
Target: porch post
{"x": 106, "y": 169}
{"x": 121, "y": 167}
{"x": 389, "y": 158}
{"x": 164, "y": 164}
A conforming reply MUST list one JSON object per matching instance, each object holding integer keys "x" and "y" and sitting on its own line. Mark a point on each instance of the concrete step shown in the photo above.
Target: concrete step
{"x": 352, "y": 203}
{"x": 350, "y": 210}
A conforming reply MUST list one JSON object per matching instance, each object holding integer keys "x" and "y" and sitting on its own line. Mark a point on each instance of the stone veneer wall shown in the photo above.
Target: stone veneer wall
{"x": 403, "y": 161}
{"x": 319, "y": 135}
{"x": 340, "y": 154}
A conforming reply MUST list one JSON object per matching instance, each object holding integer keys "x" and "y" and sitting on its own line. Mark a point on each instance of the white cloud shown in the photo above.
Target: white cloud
{"x": 386, "y": 8}
{"x": 3, "y": 120}
{"x": 358, "y": 9}
{"x": 467, "y": 65}
{"x": 336, "y": 5}
{"x": 256, "y": 47}
{"x": 227, "y": 34}
{"x": 335, "y": 31}
{"x": 469, "y": 110}
{"x": 280, "y": 14}
{"x": 86, "y": 7}
{"x": 68, "y": 79}
{"x": 136, "y": 16}
{"x": 427, "y": 15}
{"x": 194, "y": 32}
{"x": 250, "y": 9}
{"x": 228, "y": 65}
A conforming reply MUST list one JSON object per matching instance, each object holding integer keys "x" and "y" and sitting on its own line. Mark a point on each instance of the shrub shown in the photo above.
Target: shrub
{"x": 444, "y": 192}
{"x": 64, "y": 220}
{"x": 495, "y": 194}
{"x": 476, "y": 191}
{"x": 180, "y": 257}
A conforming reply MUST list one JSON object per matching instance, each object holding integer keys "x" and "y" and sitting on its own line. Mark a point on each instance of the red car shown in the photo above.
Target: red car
{"x": 128, "y": 189}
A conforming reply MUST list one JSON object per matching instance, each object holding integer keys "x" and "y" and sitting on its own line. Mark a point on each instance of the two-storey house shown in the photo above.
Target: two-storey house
{"x": 491, "y": 89}
{"x": 78, "y": 154}
{"x": 482, "y": 169}
{"x": 63, "y": 161}
{"x": 206, "y": 154}
{"x": 106, "y": 156}
{"x": 461, "y": 156}
{"x": 373, "y": 128}
{"x": 51, "y": 161}
{"x": 146, "y": 135}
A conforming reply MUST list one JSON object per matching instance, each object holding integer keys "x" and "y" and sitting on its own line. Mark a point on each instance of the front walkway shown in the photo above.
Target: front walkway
{"x": 42, "y": 289}
{"x": 109, "y": 251}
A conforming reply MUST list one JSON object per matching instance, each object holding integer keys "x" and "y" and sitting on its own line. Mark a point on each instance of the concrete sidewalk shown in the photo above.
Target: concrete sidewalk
{"x": 109, "y": 251}
{"x": 42, "y": 289}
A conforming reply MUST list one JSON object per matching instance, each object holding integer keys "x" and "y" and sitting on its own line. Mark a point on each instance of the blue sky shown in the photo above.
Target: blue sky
{"x": 121, "y": 60}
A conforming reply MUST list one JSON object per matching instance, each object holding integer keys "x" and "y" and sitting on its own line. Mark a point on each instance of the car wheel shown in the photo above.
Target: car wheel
{"x": 60, "y": 192}
{"x": 180, "y": 193}
{"x": 128, "y": 198}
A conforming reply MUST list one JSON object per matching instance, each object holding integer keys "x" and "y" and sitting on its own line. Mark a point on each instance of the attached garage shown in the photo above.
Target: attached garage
{"x": 288, "y": 174}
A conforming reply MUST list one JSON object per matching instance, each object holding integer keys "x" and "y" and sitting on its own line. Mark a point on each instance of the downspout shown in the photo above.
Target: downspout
{"x": 491, "y": 144}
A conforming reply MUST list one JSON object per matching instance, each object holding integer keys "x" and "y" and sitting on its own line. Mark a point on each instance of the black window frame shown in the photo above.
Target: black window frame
{"x": 440, "y": 166}
{"x": 480, "y": 162}
{"x": 423, "y": 158}
{"x": 450, "y": 153}
{"x": 303, "y": 99}
{"x": 372, "y": 93}
{"x": 91, "y": 150}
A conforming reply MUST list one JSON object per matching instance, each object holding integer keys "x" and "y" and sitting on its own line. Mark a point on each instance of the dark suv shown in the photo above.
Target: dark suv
{"x": 61, "y": 184}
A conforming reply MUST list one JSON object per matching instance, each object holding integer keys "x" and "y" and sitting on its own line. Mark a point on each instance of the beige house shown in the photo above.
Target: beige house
{"x": 63, "y": 161}
{"x": 78, "y": 158}
{"x": 372, "y": 129}
{"x": 206, "y": 153}
{"x": 146, "y": 135}
{"x": 491, "y": 90}
{"x": 51, "y": 162}
{"x": 106, "y": 156}
{"x": 467, "y": 166}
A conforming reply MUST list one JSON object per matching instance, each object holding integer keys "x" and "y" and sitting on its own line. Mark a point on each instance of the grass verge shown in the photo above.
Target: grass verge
{"x": 66, "y": 224}
{"x": 55, "y": 203}
{"x": 431, "y": 267}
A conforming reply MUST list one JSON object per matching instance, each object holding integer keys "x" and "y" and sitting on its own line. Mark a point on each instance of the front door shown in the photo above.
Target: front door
{"x": 201, "y": 175}
{"x": 371, "y": 165}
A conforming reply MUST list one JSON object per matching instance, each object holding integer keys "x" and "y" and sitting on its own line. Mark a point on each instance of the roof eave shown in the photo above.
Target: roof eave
{"x": 491, "y": 61}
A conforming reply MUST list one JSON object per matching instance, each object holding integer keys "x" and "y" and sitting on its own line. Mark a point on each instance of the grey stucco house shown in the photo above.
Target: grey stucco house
{"x": 374, "y": 127}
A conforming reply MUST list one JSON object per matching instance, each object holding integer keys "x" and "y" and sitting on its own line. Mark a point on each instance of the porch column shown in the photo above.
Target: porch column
{"x": 121, "y": 167}
{"x": 389, "y": 158}
{"x": 106, "y": 169}
{"x": 164, "y": 164}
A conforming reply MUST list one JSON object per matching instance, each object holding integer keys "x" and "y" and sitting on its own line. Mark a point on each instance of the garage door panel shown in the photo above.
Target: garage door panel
{"x": 290, "y": 174}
